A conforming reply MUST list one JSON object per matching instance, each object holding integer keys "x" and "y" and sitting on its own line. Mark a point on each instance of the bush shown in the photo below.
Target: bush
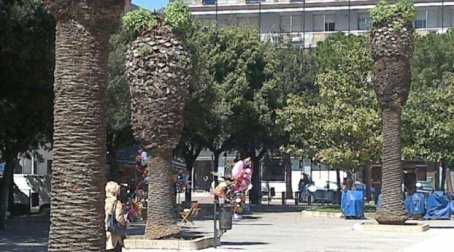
{"x": 138, "y": 21}
{"x": 178, "y": 15}
{"x": 384, "y": 12}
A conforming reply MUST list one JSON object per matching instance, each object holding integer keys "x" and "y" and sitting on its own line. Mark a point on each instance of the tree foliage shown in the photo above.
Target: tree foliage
{"x": 341, "y": 126}
{"x": 385, "y": 12}
{"x": 26, "y": 77}
{"x": 429, "y": 114}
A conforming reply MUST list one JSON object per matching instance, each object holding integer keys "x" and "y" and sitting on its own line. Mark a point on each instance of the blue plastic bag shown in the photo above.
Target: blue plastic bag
{"x": 437, "y": 207}
{"x": 415, "y": 205}
{"x": 352, "y": 204}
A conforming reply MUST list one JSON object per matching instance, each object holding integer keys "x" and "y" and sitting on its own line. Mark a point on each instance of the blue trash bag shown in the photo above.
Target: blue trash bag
{"x": 451, "y": 206}
{"x": 437, "y": 207}
{"x": 414, "y": 204}
{"x": 352, "y": 204}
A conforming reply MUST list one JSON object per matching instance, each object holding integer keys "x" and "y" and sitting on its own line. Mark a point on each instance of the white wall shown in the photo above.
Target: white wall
{"x": 41, "y": 160}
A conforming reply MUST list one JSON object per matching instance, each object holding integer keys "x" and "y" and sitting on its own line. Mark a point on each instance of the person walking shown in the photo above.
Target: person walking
{"x": 302, "y": 186}
{"x": 114, "y": 209}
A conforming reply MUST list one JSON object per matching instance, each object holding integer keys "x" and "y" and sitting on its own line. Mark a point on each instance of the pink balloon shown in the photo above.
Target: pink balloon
{"x": 237, "y": 169}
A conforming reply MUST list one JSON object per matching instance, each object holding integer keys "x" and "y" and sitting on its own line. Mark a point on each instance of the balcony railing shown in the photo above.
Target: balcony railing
{"x": 310, "y": 39}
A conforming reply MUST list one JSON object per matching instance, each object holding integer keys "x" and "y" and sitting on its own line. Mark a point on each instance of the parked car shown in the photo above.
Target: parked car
{"x": 32, "y": 192}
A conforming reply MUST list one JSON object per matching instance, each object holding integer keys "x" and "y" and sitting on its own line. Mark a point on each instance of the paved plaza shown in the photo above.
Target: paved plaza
{"x": 274, "y": 229}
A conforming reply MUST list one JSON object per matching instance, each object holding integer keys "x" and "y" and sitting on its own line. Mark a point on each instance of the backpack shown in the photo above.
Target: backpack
{"x": 112, "y": 224}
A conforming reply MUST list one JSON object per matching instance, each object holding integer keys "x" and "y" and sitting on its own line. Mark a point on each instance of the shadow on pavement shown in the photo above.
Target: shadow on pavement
{"x": 25, "y": 234}
{"x": 276, "y": 208}
{"x": 242, "y": 243}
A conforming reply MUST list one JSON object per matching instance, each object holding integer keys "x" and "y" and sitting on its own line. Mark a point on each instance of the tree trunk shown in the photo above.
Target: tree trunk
{"x": 161, "y": 215}
{"x": 339, "y": 186}
{"x": 392, "y": 208}
{"x": 7, "y": 181}
{"x": 288, "y": 176}
{"x": 188, "y": 192}
{"x": 256, "y": 191}
{"x": 79, "y": 151}
{"x": 216, "y": 155}
{"x": 443, "y": 176}
{"x": 366, "y": 181}
{"x": 449, "y": 181}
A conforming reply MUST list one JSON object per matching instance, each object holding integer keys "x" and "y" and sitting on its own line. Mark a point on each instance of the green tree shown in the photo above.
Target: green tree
{"x": 289, "y": 71}
{"x": 428, "y": 116}
{"x": 348, "y": 124}
{"x": 119, "y": 133}
{"x": 198, "y": 123}
{"x": 339, "y": 125}
{"x": 26, "y": 74}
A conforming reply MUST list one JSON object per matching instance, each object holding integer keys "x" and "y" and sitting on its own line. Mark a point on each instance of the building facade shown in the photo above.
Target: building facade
{"x": 310, "y": 21}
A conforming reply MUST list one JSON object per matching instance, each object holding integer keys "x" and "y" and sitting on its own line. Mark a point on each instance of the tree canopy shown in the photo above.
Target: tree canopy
{"x": 428, "y": 118}
{"x": 340, "y": 126}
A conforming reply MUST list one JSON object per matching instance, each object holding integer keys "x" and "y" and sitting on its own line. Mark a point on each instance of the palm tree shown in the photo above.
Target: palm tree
{"x": 158, "y": 72}
{"x": 79, "y": 149}
{"x": 392, "y": 46}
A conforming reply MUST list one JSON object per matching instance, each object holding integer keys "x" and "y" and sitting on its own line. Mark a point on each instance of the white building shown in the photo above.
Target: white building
{"x": 35, "y": 162}
{"x": 310, "y": 21}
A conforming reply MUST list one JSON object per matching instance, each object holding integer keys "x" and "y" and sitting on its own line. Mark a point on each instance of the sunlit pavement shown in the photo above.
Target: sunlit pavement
{"x": 277, "y": 229}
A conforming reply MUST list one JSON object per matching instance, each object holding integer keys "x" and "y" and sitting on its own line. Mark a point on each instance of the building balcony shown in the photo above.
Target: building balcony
{"x": 310, "y": 39}
{"x": 207, "y": 7}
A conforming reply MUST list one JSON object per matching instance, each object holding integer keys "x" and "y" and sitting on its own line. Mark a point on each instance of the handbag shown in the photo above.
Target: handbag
{"x": 112, "y": 224}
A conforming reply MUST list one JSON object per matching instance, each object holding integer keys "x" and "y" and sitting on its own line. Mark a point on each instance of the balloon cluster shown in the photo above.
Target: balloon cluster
{"x": 242, "y": 175}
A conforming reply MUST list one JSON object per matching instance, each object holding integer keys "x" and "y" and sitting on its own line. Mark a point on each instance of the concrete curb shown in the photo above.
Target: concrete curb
{"x": 375, "y": 227}
{"x": 320, "y": 214}
{"x": 140, "y": 244}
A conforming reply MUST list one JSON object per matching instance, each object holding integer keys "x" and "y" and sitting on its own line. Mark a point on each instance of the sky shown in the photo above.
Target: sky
{"x": 151, "y": 4}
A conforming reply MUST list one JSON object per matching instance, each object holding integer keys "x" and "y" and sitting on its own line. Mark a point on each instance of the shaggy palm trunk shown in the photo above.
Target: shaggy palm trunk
{"x": 392, "y": 49}
{"x": 392, "y": 210}
{"x": 161, "y": 212}
{"x": 157, "y": 70}
{"x": 79, "y": 149}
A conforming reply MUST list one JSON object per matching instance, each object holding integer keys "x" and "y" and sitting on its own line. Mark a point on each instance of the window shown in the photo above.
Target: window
{"x": 330, "y": 24}
{"x": 421, "y": 19}
{"x": 420, "y": 23}
{"x": 209, "y": 2}
{"x": 363, "y": 22}
{"x": 286, "y": 23}
{"x": 293, "y": 23}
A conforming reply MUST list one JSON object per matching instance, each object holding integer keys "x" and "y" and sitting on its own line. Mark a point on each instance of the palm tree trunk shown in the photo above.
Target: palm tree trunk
{"x": 288, "y": 176}
{"x": 161, "y": 215}
{"x": 392, "y": 208}
{"x": 78, "y": 179}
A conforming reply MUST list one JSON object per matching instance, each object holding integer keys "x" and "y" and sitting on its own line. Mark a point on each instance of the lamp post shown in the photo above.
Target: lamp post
{"x": 215, "y": 201}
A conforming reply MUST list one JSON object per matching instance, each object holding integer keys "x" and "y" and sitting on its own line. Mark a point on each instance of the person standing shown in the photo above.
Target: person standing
{"x": 114, "y": 209}
{"x": 302, "y": 184}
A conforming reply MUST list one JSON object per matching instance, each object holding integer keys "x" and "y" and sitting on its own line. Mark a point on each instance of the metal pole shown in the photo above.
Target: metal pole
{"x": 349, "y": 16}
{"x": 304, "y": 24}
{"x": 216, "y": 14}
{"x": 260, "y": 18}
{"x": 215, "y": 229}
{"x": 442, "y": 15}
